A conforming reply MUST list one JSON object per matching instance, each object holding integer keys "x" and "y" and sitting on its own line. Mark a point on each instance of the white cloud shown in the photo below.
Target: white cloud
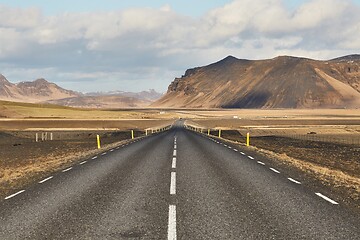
{"x": 19, "y": 18}
{"x": 134, "y": 40}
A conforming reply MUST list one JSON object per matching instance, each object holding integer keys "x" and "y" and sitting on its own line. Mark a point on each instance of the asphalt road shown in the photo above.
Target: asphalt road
{"x": 175, "y": 185}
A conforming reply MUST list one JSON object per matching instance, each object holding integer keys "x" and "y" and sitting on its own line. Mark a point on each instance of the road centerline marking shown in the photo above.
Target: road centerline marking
{"x": 327, "y": 198}
{"x": 15, "y": 194}
{"x": 173, "y": 165}
{"x": 242, "y": 153}
{"x": 259, "y": 162}
{"x": 46, "y": 179}
{"x": 173, "y": 183}
{"x": 174, "y": 153}
{"x": 94, "y": 157}
{"x": 251, "y": 157}
{"x": 235, "y": 150}
{"x": 294, "y": 181}
{"x": 83, "y": 162}
{"x": 172, "y": 223}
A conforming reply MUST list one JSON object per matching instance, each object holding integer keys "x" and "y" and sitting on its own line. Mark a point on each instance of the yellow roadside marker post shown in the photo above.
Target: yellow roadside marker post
{"x": 248, "y": 139}
{"x": 132, "y": 134}
{"x": 98, "y": 141}
{"x": 145, "y": 132}
{"x": 208, "y": 132}
{"x": 219, "y": 133}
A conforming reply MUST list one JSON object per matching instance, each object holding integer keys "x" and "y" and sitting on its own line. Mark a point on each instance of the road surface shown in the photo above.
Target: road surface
{"x": 175, "y": 185}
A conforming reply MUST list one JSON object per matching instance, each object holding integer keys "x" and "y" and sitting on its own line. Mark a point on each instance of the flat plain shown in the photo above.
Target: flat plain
{"x": 323, "y": 144}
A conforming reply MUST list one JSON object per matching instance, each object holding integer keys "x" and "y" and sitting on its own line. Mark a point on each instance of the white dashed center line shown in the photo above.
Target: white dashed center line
{"x": 229, "y": 147}
{"x": 172, "y": 223}
{"x": 326, "y": 198}
{"x": 173, "y": 165}
{"x": 235, "y": 150}
{"x": 274, "y": 170}
{"x": 83, "y": 162}
{"x": 175, "y": 146}
{"x": 95, "y": 157}
{"x": 68, "y": 169}
{"x": 13, "y": 195}
{"x": 46, "y": 179}
{"x": 173, "y": 183}
{"x": 261, "y": 163}
{"x": 174, "y": 153}
{"x": 294, "y": 181}
{"x": 242, "y": 153}
{"x": 111, "y": 150}
{"x": 250, "y": 157}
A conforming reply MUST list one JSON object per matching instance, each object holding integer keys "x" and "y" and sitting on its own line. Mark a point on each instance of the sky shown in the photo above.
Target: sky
{"x": 106, "y": 45}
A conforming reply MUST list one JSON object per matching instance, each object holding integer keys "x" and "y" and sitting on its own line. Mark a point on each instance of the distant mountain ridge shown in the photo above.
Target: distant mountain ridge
{"x": 42, "y": 91}
{"x": 32, "y": 92}
{"x": 281, "y": 82}
{"x": 150, "y": 95}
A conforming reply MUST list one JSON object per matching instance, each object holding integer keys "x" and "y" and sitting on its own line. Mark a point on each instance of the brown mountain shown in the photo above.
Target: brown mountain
{"x": 32, "y": 92}
{"x": 282, "y": 82}
{"x": 42, "y": 91}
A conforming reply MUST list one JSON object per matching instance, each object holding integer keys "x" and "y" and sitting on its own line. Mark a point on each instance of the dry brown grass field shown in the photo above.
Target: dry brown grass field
{"x": 309, "y": 140}
{"x": 323, "y": 144}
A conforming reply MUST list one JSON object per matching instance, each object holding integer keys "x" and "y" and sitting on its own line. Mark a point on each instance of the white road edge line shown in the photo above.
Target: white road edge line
{"x": 13, "y": 195}
{"x": 173, "y": 183}
{"x": 103, "y": 153}
{"x": 235, "y": 150}
{"x": 294, "y": 181}
{"x": 242, "y": 153}
{"x": 251, "y": 157}
{"x": 173, "y": 165}
{"x": 46, "y": 179}
{"x": 274, "y": 170}
{"x": 95, "y": 157}
{"x": 327, "y": 199}
{"x": 172, "y": 223}
{"x": 261, "y": 163}
{"x": 68, "y": 169}
{"x": 83, "y": 162}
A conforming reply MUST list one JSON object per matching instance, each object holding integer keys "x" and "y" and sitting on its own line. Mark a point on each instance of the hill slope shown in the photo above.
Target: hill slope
{"x": 32, "y": 92}
{"x": 282, "y": 82}
{"x": 42, "y": 91}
